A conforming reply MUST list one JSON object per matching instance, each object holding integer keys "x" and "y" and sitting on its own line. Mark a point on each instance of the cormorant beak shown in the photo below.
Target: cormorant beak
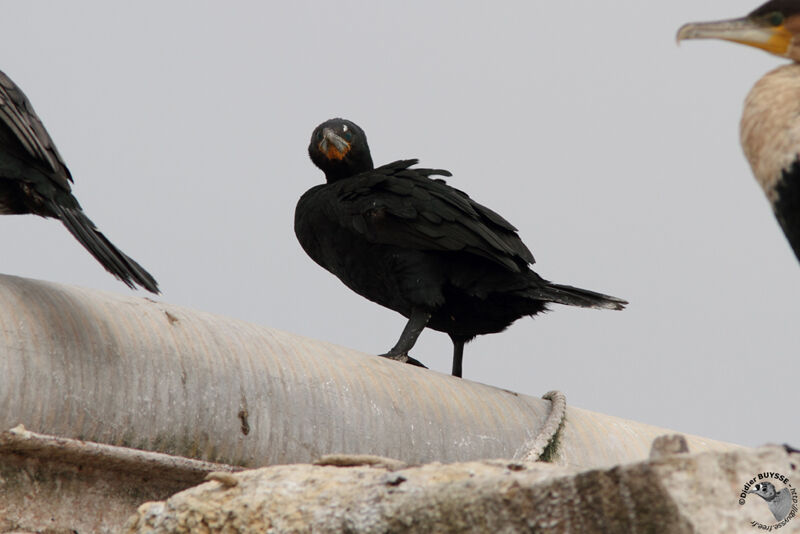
{"x": 333, "y": 146}
{"x": 750, "y": 31}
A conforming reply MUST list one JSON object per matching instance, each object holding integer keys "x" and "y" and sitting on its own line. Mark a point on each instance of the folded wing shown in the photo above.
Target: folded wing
{"x": 403, "y": 206}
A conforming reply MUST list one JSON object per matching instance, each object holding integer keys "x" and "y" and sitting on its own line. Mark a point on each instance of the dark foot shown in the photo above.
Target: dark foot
{"x": 412, "y": 361}
{"x": 405, "y": 358}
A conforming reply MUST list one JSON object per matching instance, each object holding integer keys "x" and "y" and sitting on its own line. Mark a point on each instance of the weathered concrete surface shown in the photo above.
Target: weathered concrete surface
{"x": 58, "y": 485}
{"x": 672, "y": 494}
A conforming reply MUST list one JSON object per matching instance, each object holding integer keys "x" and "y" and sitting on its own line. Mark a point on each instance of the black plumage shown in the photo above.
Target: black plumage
{"x": 785, "y": 8}
{"x": 34, "y": 179}
{"x": 403, "y": 238}
{"x": 787, "y": 205}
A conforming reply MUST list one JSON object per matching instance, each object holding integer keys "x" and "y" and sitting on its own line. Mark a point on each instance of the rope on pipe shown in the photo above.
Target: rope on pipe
{"x": 547, "y": 436}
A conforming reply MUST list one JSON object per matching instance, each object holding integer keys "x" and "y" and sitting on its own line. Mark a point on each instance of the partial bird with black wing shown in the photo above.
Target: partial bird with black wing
{"x": 34, "y": 179}
{"x": 402, "y": 238}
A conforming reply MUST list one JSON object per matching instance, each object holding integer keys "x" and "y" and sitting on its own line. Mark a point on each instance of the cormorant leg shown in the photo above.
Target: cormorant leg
{"x": 458, "y": 354}
{"x": 416, "y": 324}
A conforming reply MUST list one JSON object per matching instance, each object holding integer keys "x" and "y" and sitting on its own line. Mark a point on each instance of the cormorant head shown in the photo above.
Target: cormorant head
{"x": 339, "y": 147}
{"x": 765, "y": 490}
{"x": 774, "y": 27}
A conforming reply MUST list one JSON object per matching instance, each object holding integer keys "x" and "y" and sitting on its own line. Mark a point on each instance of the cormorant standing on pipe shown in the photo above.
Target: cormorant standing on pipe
{"x": 34, "y": 179}
{"x": 770, "y": 127}
{"x": 408, "y": 241}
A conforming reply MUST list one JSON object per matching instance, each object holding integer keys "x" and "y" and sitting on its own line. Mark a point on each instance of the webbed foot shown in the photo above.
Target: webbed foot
{"x": 405, "y": 358}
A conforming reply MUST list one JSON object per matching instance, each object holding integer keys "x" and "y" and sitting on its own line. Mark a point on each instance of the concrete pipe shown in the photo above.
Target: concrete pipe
{"x": 132, "y": 372}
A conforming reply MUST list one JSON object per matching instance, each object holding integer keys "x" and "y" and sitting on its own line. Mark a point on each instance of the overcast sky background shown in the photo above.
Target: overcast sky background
{"x": 615, "y": 152}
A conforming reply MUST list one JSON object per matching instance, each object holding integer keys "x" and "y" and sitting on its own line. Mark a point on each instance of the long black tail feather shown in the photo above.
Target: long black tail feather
{"x": 575, "y": 296}
{"x": 109, "y": 256}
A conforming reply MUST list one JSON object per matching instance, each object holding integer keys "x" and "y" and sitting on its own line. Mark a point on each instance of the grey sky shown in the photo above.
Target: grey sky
{"x": 614, "y": 151}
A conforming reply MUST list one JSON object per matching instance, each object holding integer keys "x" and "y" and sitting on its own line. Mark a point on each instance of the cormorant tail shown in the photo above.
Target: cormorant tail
{"x": 575, "y": 296}
{"x": 109, "y": 256}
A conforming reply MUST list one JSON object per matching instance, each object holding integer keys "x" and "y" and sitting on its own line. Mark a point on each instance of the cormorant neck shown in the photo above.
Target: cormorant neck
{"x": 338, "y": 171}
{"x": 769, "y": 127}
{"x": 769, "y": 133}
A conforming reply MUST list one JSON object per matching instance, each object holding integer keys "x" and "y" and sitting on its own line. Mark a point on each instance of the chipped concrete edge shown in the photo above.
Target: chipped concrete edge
{"x": 20, "y": 441}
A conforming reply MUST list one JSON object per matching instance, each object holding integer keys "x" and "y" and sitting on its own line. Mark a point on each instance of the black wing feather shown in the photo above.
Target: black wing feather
{"x": 17, "y": 114}
{"x": 405, "y": 207}
{"x": 37, "y": 163}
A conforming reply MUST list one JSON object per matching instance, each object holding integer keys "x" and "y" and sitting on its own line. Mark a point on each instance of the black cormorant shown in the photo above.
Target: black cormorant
{"x": 406, "y": 240}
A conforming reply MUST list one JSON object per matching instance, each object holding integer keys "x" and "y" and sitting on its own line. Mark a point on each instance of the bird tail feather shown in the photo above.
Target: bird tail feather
{"x": 575, "y": 296}
{"x": 109, "y": 256}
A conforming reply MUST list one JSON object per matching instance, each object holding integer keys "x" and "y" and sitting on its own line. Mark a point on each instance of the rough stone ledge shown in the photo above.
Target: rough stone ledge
{"x": 55, "y": 485}
{"x": 671, "y": 493}
{"x": 32, "y": 445}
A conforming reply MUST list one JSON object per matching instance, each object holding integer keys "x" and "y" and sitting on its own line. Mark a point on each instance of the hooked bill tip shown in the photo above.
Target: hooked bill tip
{"x": 681, "y": 35}
{"x": 687, "y": 31}
{"x": 745, "y": 28}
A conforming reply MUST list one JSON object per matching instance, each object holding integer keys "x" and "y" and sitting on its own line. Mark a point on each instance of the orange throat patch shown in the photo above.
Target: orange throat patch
{"x": 335, "y": 153}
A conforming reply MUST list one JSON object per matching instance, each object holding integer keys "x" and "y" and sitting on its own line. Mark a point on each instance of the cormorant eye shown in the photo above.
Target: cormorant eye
{"x": 347, "y": 133}
{"x": 775, "y": 19}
